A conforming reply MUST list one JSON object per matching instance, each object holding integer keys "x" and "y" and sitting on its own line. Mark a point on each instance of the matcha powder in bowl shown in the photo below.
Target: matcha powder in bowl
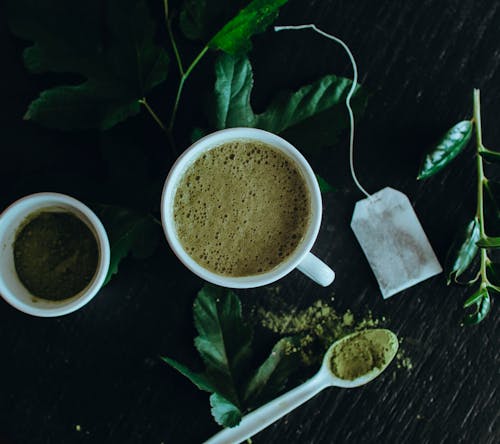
{"x": 55, "y": 254}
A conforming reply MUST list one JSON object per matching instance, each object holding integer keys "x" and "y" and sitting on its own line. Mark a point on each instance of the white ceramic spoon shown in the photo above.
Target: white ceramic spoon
{"x": 264, "y": 416}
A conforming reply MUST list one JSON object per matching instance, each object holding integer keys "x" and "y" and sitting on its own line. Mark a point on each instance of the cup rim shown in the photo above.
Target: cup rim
{"x": 46, "y": 200}
{"x": 213, "y": 140}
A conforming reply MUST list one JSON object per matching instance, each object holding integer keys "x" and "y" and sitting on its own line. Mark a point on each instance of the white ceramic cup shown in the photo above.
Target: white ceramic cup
{"x": 301, "y": 258}
{"x": 12, "y": 289}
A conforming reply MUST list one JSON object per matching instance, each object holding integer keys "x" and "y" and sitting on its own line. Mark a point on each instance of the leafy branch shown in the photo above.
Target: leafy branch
{"x": 224, "y": 344}
{"x": 474, "y": 240}
{"x": 122, "y": 68}
{"x": 233, "y": 38}
{"x": 109, "y": 46}
{"x": 110, "y": 50}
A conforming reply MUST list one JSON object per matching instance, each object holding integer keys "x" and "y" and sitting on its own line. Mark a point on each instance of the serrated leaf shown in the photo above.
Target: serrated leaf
{"x": 224, "y": 340}
{"x": 463, "y": 251}
{"x": 201, "y": 19}
{"x": 288, "y": 111}
{"x": 79, "y": 107}
{"x": 224, "y": 412}
{"x": 198, "y": 379}
{"x": 482, "y": 308}
{"x": 129, "y": 232}
{"x": 324, "y": 186}
{"x": 231, "y": 99}
{"x": 449, "y": 147}
{"x": 270, "y": 378}
{"x": 324, "y": 128}
{"x": 489, "y": 242}
{"x": 224, "y": 345}
{"x": 489, "y": 155}
{"x": 234, "y": 37}
{"x": 110, "y": 45}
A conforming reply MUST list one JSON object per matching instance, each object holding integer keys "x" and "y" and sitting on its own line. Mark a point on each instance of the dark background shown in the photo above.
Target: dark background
{"x": 98, "y": 368}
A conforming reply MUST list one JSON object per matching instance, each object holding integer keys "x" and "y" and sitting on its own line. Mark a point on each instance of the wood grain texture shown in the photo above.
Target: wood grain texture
{"x": 95, "y": 377}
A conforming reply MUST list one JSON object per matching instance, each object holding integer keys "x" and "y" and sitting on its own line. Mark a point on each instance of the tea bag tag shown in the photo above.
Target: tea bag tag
{"x": 393, "y": 241}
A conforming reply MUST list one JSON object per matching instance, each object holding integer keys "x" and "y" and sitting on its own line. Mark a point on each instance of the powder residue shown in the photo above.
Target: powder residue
{"x": 403, "y": 360}
{"x": 316, "y": 327}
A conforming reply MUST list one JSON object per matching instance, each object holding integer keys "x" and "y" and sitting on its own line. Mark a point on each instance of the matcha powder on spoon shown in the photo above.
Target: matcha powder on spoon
{"x": 55, "y": 255}
{"x": 360, "y": 354}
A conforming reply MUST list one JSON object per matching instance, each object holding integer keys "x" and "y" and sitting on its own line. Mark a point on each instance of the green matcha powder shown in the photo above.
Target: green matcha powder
{"x": 358, "y": 355}
{"x": 55, "y": 255}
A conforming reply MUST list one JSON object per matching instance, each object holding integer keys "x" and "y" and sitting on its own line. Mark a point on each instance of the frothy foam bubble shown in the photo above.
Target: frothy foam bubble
{"x": 242, "y": 208}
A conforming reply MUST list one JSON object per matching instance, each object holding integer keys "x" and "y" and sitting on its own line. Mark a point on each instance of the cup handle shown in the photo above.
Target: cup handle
{"x": 317, "y": 270}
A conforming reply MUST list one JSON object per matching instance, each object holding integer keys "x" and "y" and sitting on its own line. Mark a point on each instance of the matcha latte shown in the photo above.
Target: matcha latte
{"x": 242, "y": 208}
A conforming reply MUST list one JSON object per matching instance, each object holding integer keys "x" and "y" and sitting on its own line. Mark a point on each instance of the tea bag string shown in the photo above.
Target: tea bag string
{"x": 349, "y": 94}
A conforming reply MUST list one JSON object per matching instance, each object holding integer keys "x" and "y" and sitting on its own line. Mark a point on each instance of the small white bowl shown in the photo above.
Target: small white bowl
{"x": 12, "y": 289}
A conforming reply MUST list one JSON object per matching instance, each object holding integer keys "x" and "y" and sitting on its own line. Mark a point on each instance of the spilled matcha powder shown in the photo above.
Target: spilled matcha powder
{"x": 55, "y": 255}
{"x": 362, "y": 352}
{"x": 315, "y": 327}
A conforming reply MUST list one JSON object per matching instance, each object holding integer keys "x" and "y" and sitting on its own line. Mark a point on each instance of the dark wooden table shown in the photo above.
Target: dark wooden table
{"x": 94, "y": 376}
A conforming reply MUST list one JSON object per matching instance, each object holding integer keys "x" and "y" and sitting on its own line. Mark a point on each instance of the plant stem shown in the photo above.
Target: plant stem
{"x": 480, "y": 184}
{"x": 145, "y": 103}
{"x": 172, "y": 39}
{"x": 183, "y": 74}
{"x": 181, "y": 86}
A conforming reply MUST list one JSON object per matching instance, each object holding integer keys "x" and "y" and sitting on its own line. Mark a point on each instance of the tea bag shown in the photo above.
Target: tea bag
{"x": 393, "y": 241}
{"x": 385, "y": 223}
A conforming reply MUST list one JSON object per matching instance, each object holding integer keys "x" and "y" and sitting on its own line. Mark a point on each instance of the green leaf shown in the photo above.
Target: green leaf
{"x": 324, "y": 186}
{"x": 80, "y": 106}
{"x": 109, "y": 45}
{"x": 324, "y": 128}
{"x": 463, "y": 251}
{"x": 476, "y": 296}
{"x": 233, "y": 86}
{"x": 482, "y": 308}
{"x": 271, "y": 377}
{"x": 490, "y": 156}
{"x": 489, "y": 242}
{"x": 197, "y": 134}
{"x": 449, "y": 147}
{"x": 234, "y": 37}
{"x": 128, "y": 232}
{"x": 224, "y": 344}
{"x": 287, "y": 112}
{"x": 201, "y": 19}
{"x": 224, "y": 340}
{"x": 198, "y": 379}
{"x": 224, "y": 412}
